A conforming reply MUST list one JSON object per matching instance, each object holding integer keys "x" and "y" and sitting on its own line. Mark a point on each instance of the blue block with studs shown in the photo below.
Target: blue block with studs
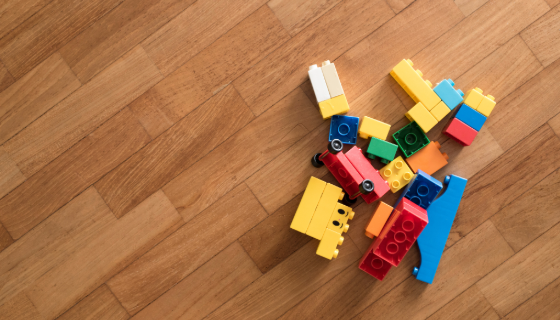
{"x": 344, "y": 128}
{"x": 422, "y": 190}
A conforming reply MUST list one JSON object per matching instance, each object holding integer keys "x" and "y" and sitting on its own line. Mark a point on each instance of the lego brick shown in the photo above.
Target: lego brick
{"x": 318, "y": 83}
{"x": 339, "y": 218}
{"x": 432, "y": 240}
{"x": 367, "y": 171}
{"x": 308, "y": 204}
{"x": 400, "y": 232}
{"x": 378, "y": 219}
{"x": 384, "y": 150}
{"x": 343, "y": 171}
{"x": 324, "y": 210}
{"x": 374, "y": 128}
{"x": 327, "y": 245}
{"x": 374, "y": 265}
{"x": 486, "y": 105}
{"x": 448, "y": 94}
{"x": 422, "y": 190}
{"x": 412, "y": 82}
{"x": 331, "y": 77}
{"x": 397, "y": 174}
{"x": 344, "y": 128}
{"x": 337, "y": 105}
{"x": 422, "y": 117}
{"x": 411, "y": 138}
{"x": 473, "y": 98}
{"x": 440, "y": 111}
{"x": 470, "y": 117}
{"x": 460, "y": 132}
{"x": 429, "y": 159}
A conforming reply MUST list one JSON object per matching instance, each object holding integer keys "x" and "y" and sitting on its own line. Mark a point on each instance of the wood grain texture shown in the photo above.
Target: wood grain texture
{"x": 14, "y": 12}
{"x": 72, "y": 172}
{"x": 554, "y": 123}
{"x": 469, "y": 6}
{"x": 10, "y": 175}
{"x": 20, "y": 307}
{"x": 100, "y": 304}
{"x": 542, "y": 37}
{"x": 297, "y": 15}
{"x": 552, "y": 3}
{"x": 399, "y": 5}
{"x": 187, "y": 249}
{"x": 5, "y": 238}
{"x": 543, "y": 305}
{"x": 207, "y": 288}
{"x": 470, "y": 304}
{"x": 6, "y": 78}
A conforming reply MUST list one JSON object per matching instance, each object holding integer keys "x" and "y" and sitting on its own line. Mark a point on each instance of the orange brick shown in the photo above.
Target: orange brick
{"x": 378, "y": 219}
{"x": 429, "y": 159}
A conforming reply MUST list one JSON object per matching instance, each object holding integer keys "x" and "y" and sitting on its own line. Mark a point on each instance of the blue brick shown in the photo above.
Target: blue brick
{"x": 344, "y": 128}
{"x": 448, "y": 94}
{"x": 470, "y": 117}
{"x": 422, "y": 190}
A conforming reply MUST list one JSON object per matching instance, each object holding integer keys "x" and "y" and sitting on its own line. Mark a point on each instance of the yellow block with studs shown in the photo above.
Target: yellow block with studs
{"x": 440, "y": 111}
{"x": 339, "y": 218}
{"x": 373, "y": 128}
{"x": 308, "y": 204}
{"x": 329, "y": 241}
{"x": 473, "y": 98}
{"x": 333, "y": 106}
{"x": 411, "y": 81}
{"x": 486, "y": 105}
{"x": 397, "y": 174}
{"x": 422, "y": 116}
{"x": 324, "y": 210}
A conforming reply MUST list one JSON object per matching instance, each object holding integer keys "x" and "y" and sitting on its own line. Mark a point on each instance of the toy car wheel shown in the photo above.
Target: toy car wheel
{"x": 366, "y": 187}
{"x": 347, "y": 201}
{"x": 335, "y": 146}
{"x": 316, "y": 162}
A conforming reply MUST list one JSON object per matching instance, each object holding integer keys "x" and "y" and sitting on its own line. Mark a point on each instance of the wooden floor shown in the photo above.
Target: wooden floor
{"x": 153, "y": 153}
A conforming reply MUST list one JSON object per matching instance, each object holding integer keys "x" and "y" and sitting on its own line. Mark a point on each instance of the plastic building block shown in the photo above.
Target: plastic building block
{"x": 331, "y": 77}
{"x": 470, "y": 117}
{"x": 411, "y": 139}
{"x": 344, "y": 128}
{"x": 397, "y": 174}
{"x": 473, "y": 98}
{"x": 344, "y": 172}
{"x": 374, "y": 128}
{"x": 384, "y": 150}
{"x": 422, "y": 116}
{"x": 378, "y": 219}
{"x": 411, "y": 81}
{"x": 440, "y": 111}
{"x": 308, "y": 204}
{"x": 422, "y": 190}
{"x": 448, "y": 94}
{"x": 327, "y": 245}
{"x": 460, "y": 132}
{"x": 336, "y": 105}
{"x": 441, "y": 214}
{"x": 324, "y": 210}
{"x": 367, "y": 171}
{"x": 486, "y": 105}
{"x": 400, "y": 232}
{"x": 318, "y": 83}
{"x": 429, "y": 159}
{"x": 374, "y": 265}
{"x": 339, "y": 218}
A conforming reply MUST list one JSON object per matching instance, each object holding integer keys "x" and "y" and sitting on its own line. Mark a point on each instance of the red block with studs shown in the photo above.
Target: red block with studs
{"x": 344, "y": 172}
{"x": 374, "y": 265}
{"x": 367, "y": 171}
{"x": 460, "y": 132}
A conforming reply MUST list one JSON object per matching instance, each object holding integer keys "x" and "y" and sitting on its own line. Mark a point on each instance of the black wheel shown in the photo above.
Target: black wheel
{"x": 366, "y": 187}
{"x": 335, "y": 146}
{"x": 347, "y": 201}
{"x": 316, "y": 162}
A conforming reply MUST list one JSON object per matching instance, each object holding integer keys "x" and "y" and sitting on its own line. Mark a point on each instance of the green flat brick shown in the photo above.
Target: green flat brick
{"x": 411, "y": 139}
{"x": 380, "y": 148}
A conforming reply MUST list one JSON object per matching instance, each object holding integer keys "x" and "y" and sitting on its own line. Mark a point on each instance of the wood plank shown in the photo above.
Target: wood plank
{"x": 72, "y": 172}
{"x": 100, "y": 304}
{"x": 113, "y": 246}
{"x": 207, "y": 288}
{"x": 526, "y": 218}
{"x": 554, "y": 123}
{"x": 552, "y": 3}
{"x": 399, "y": 5}
{"x": 469, "y": 6}
{"x": 14, "y": 12}
{"x": 461, "y": 266}
{"x": 10, "y": 175}
{"x": 186, "y": 250}
{"x": 542, "y": 37}
{"x": 20, "y": 307}
{"x": 543, "y": 305}
{"x": 34, "y": 94}
{"x": 283, "y": 287}
{"x": 526, "y": 273}
{"x": 210, "y": 71}
{"x": 285, "y": 69}
{"x": 174, "y": 151}
{"x": 5, "y": 238}
{"x": 297, "y": 15}
{"x": 194, "y": 29}
{"x": 242, "y": 154}
{"x": 6, "y": 78}
{"x": 470, "y": 304}
{"x": 47, "y": 30}
{"x": 83, "y": 111}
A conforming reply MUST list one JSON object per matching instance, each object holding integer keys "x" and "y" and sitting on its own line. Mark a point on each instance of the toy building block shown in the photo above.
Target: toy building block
{"x": 337, "y": 105}
{"x": 429, "y": 159}
{"x": 384, "y": 150}
{"x": 327, "y": 245}
{"x": 331, "y": 77}
{"x": 397, "y": 174}
{"x": 460, "y": 132}
{"x": 318, "y": 83}
{"x": 339, "y": 218}
{"x": 378, "y": 219}
{"x": 374, "y": 265}
{"x": 473, "y": 98}
{"x": 470, "y": 117}
{"x": 344, "y": 128}
{"x": 422, "y": 190}
{"x": 448, "y": 94}
{"x": 422, "y": 116}
{"x": 308, "y": 204}
{"x": 324, "y": 210}
{"x": 411, "y": 81}
{"x": 374, "y": 128}
{"x": 368, "y": 172}
{"x": 400, "y": 232}
{"x": 432, "y": 240}
{"x": 411, "y": 139}
{"x": 486, "y": 105}
{"x": 440, "y": 111}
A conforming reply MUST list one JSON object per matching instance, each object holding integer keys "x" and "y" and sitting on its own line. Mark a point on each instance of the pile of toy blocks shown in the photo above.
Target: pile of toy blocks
{"x": 419, "y": 215}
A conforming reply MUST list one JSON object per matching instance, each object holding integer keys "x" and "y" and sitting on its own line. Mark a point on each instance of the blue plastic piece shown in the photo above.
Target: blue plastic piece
{"x": 422, "y": 190}
{"x": 470, "y": 117}
{"x": 344, "y": 128}
{"x": 448, "y": 94}
{"x": 441, "y": 215}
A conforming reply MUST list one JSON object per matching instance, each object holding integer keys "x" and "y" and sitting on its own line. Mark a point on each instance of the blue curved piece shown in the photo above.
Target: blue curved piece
{"x": 441, "y": 214}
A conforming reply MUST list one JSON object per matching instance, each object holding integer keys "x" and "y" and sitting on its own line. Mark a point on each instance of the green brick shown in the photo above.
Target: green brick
{"x": 411, "y": 139}
{"x": 380, "y": 148}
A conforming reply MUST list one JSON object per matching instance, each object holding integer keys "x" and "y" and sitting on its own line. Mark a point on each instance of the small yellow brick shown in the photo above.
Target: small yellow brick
{"x": 324, "y": 210}
{"x": 486, "y": 105}
{"x": 327, "y": 246}
{"x": 339, "y": 218}
{"x": 337, "y": 105}
{"x": 473, "y": 98}
{"x": 308, "y": 204}
{"x": 422, "y": 116}
{"x": 411, "y": 81}
{"x": 397, "y": 174}
{"x": 440, "y": 111}
{"x": 373, "y": 128}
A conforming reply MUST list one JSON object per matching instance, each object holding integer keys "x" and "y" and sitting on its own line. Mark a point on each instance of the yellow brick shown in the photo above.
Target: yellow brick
{"x": 412, "y": 82}
{"x": 473, "y": 98}
{"x": 397, "y": 174}
{"x": 336, "y": 105}
{"x": 308, "y": 204}
{"x": 373, "y": 128}
{"x": 422, "y": 116}
{"x": 324, "y": 210}
{"x": 339, "y": 218}
{"x": 440, "y": 111}
{"x": 327, "y": 246}
{"x": 486, "y": 105}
